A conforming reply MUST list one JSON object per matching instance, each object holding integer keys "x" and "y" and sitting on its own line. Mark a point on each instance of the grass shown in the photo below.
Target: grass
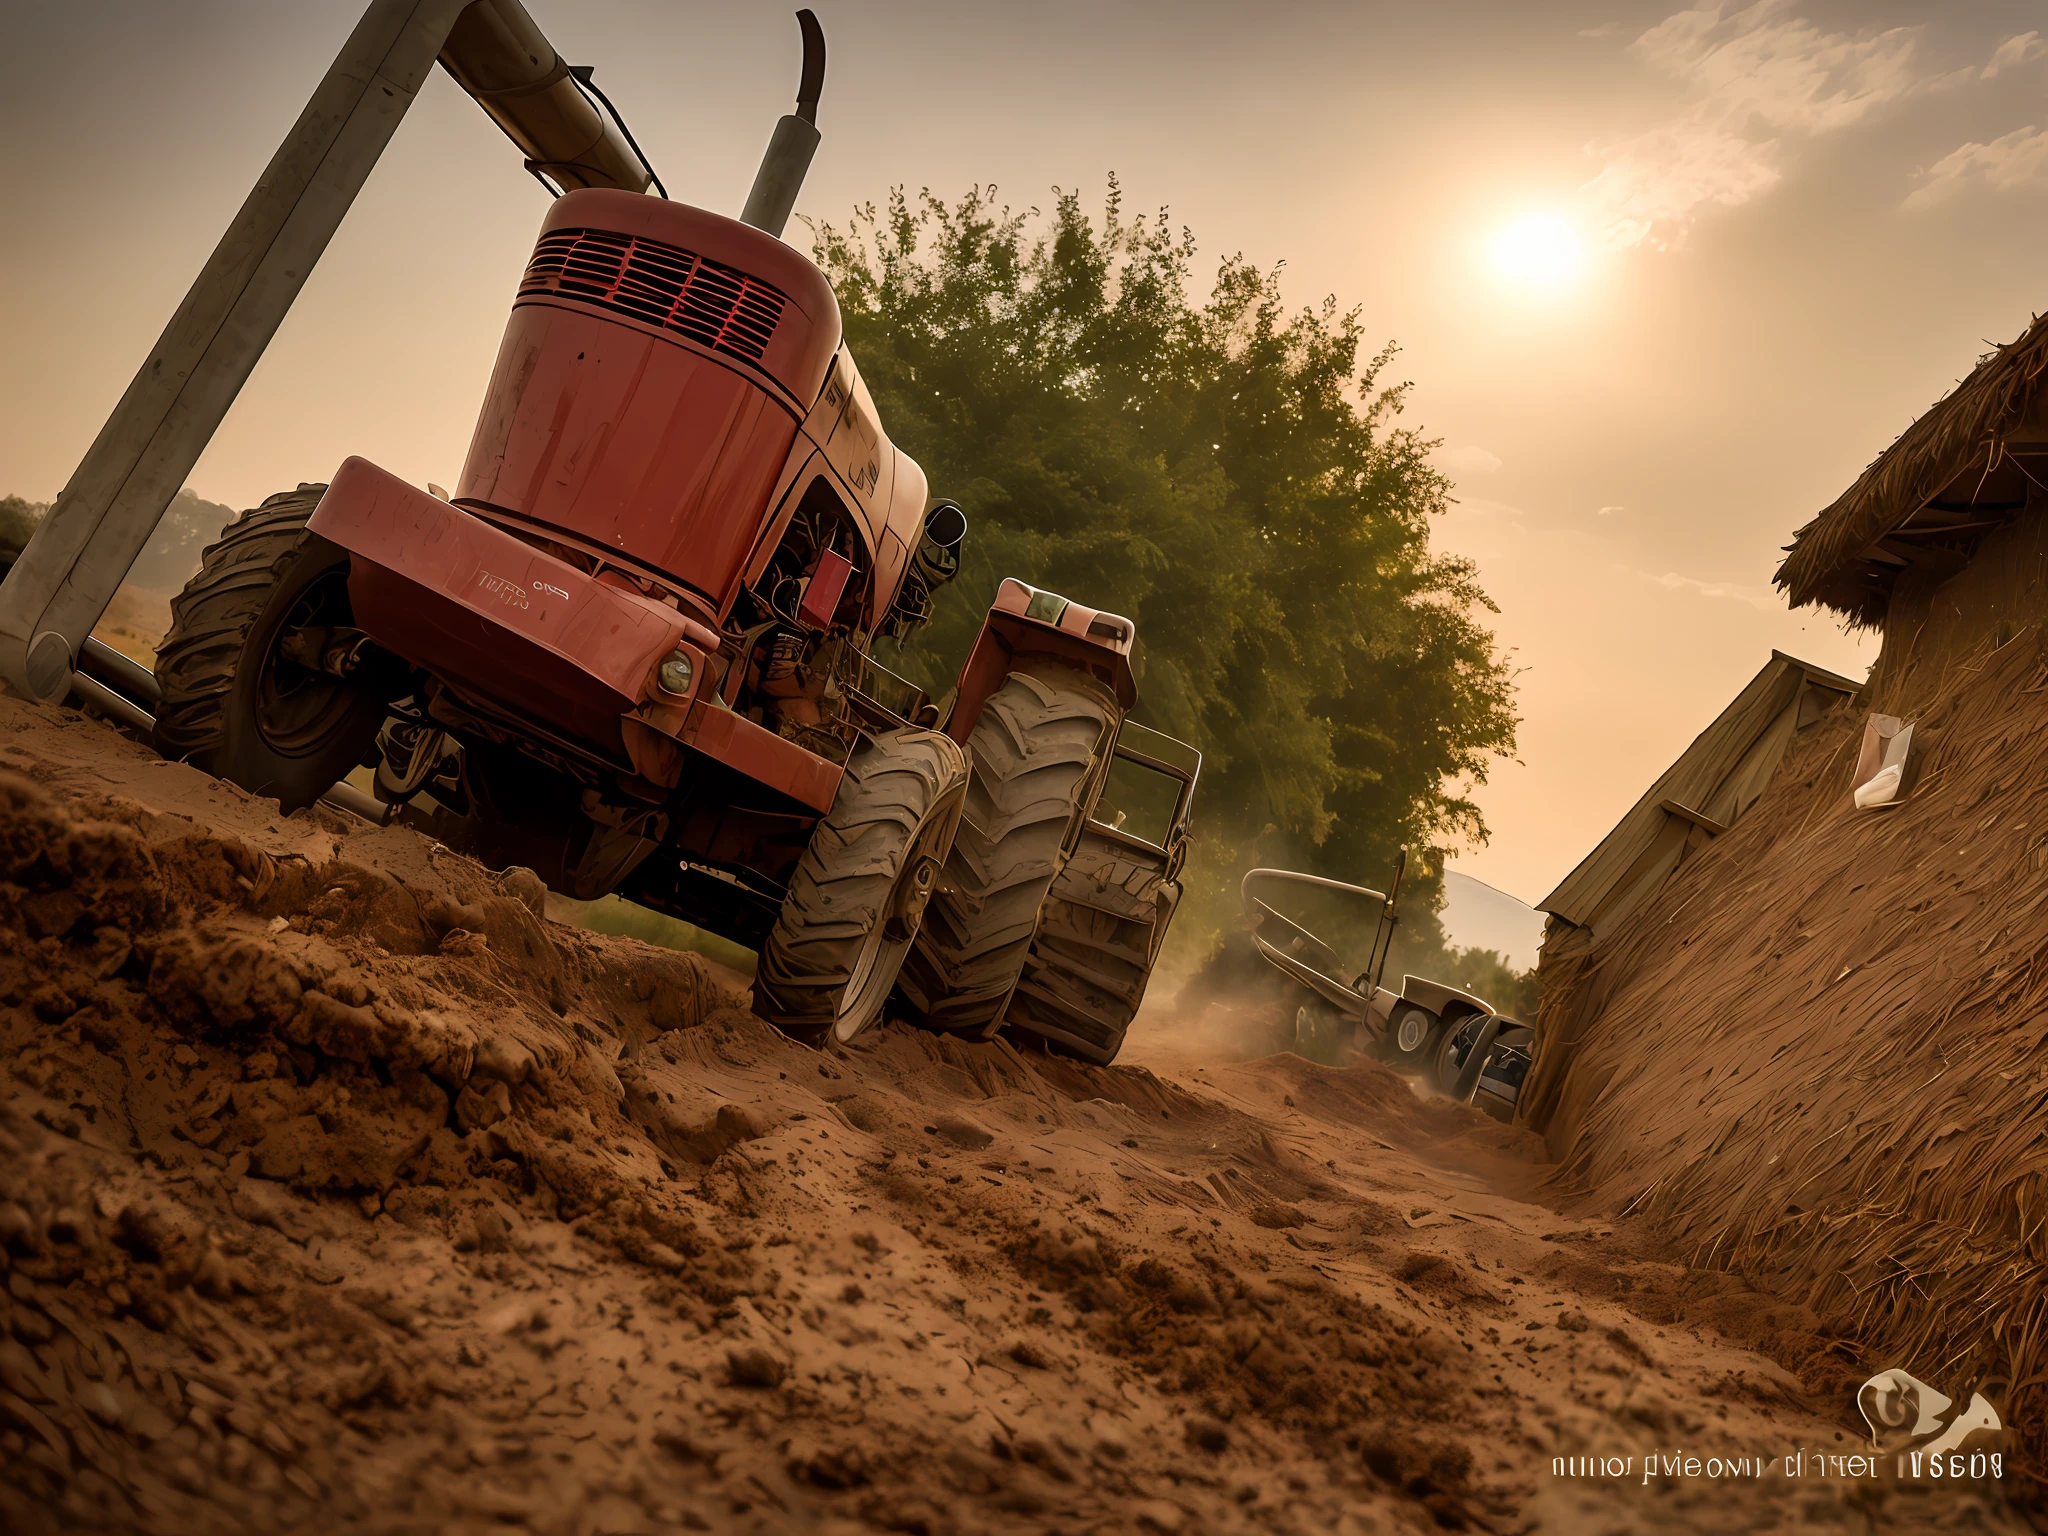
{"x": 616, "y": 915}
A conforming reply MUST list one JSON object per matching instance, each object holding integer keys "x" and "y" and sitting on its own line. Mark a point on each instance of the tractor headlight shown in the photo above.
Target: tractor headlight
{"x": 676, "y": 673}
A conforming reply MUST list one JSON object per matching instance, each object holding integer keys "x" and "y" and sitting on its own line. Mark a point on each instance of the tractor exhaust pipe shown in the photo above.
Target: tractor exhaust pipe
{"x": 792, "y": 144}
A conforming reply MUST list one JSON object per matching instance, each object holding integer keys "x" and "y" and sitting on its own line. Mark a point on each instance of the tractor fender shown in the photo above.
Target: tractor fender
{"x": 1441, "y": 1000}
{"x": 1024, "y": 621}
{"x": 1379, "y": 1008}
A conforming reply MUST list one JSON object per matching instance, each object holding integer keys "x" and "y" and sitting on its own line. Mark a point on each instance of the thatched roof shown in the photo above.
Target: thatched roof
{"x": 1950, "y": 477}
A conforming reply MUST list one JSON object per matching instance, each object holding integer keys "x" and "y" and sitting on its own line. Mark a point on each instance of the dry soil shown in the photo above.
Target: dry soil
{"x": 342, "y": 1190}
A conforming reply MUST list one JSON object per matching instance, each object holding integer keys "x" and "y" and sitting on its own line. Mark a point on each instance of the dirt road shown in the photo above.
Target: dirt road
{"x": 341, "y": 1190}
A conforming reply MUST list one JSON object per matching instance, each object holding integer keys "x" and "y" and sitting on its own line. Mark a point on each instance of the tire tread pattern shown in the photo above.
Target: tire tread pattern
{"x": 212, "y": 617}
{"x": 893, "y": 784}
{"x": 1031, "y": 752}
{"x": 1086, "y": 977}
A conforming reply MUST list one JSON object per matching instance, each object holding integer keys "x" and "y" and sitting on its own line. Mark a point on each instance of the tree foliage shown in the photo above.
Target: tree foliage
{"x": 1229, "y": 473}
{"x": 18, "y": 522}
{"x": 170, "y": 557}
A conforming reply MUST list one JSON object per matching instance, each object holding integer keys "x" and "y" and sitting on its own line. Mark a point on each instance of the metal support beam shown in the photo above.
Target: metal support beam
{"x": 64, "y": 580}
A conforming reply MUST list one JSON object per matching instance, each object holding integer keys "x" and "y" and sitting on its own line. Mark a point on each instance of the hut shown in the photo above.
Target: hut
{"x": 1940, "y": 543}
{"x": 1813, "y": 1046}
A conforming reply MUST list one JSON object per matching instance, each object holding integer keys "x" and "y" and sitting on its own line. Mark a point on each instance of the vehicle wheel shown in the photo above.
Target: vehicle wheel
{"x": 1412, "y": 1038}
{"x": 1499, "y": 1091}
{"x": 1450, "y": 1058}
{"x": 860, "y": 890}
{"x": 234, "y": 703}
{"x": 1032, "y": 752}
{"x": 1085, "y": 976}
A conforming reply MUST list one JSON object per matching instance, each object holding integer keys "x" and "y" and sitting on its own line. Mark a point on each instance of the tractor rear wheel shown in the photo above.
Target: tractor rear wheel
{"x": 1087, "y": 972}
{"x": 234, "y": 703}
{"x": 860, "y": 889}
{"x": 1032, "y": 752}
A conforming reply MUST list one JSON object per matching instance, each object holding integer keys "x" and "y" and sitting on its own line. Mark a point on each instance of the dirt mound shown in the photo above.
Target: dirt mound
{"x": 340, "y": 1190}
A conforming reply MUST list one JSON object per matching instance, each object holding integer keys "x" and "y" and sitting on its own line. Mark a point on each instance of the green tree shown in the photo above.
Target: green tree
{"x": 167, "y": 561}
{"x": 1227, "y": 472}
{"x": 18, "y": 522}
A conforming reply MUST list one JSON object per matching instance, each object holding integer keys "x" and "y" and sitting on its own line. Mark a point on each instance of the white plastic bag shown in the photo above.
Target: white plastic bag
{"x": 1881, "y": 765}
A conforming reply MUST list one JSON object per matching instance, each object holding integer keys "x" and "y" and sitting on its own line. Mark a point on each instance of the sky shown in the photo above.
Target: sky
{"x": 1663, "y": 280}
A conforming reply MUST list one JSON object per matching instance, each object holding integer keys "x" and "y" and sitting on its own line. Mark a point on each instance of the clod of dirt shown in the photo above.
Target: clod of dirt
{"x": 1207, "y": 1435}
{"x": 754, "y": 1367}
{"x": 836, "y": 1468}
{"x": 682, "y": 1136}
{"x": 959, "y": 1131}
{"x": 443, "y": 915}
{"x": 476, "y": 1111}
{"x": 524, "y": 887}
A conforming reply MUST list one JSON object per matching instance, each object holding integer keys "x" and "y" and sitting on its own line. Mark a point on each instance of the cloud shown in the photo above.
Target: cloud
{"x": 1755, "y": 597}
{"x": 2014, "y": 52}
{"x": 1469, "y": 459}
{"x": 1756, "y": 80}
{"x": 2020, "y": 159}
{"x": 1610, "y": 511}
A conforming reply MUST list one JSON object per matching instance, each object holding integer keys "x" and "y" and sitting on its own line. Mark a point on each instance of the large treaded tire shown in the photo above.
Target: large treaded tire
{"x": 230, "y": 704}
{"x": 860, "y": 889}
{"x": 1033, "y": 751}
{"x": 1087, "y": 973}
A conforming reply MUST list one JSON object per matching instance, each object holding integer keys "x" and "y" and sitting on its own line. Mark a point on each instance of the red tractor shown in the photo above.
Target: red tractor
{"x": 633, "y": 651}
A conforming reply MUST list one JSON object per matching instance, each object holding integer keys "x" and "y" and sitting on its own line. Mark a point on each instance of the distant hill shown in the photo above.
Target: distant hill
{"x": 1476, "y": 916}
{"x": 167, "y": 560}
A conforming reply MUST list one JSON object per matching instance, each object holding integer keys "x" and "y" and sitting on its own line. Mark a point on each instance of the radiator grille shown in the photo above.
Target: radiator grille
{"x": 713, "y": 305}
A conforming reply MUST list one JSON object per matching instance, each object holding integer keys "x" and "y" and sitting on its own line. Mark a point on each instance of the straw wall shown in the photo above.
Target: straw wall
{"x": 1820, "y": 1055}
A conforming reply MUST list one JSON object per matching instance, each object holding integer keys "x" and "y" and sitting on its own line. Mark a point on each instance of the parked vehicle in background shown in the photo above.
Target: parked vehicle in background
{"x": 1455, "y": 1043}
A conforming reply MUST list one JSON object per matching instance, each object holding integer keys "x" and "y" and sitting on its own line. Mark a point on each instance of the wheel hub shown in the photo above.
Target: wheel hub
{"x": 913, "y": 894}
{"x": 299, "y": 705}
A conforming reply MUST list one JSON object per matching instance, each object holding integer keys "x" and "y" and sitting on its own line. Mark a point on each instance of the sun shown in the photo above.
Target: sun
{"x": 1541, "y": 250}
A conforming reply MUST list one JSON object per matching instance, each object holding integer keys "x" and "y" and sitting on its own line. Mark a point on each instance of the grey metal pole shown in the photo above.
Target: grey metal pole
{"x": 64, "y": 580}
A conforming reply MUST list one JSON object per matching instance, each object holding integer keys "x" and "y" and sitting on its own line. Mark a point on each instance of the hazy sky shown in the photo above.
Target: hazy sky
{"x": 1744, "y": 247}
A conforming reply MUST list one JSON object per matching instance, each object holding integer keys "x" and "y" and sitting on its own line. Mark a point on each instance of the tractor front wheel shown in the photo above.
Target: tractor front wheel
{"x": 858, "y": 896}
{"x": 235, "y": 701}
